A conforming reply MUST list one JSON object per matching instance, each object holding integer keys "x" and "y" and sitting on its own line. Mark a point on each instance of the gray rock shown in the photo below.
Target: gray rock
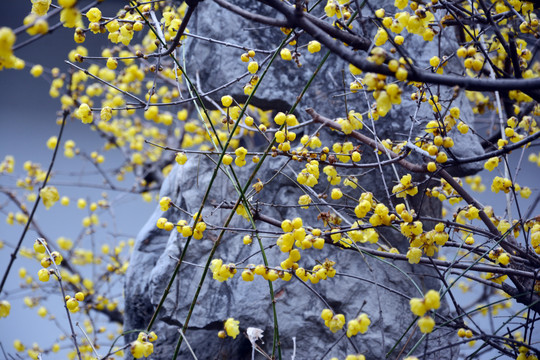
{"x": 301, "y": 328}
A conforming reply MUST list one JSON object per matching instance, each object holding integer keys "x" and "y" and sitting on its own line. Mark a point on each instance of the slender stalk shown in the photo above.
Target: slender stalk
{"x": 36, "y": 203}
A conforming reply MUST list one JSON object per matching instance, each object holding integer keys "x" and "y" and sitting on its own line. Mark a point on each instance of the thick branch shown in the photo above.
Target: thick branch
{"x": 251, "y": 16}
{"x": 415, "y": 73}
{"x": 502, "y": 151}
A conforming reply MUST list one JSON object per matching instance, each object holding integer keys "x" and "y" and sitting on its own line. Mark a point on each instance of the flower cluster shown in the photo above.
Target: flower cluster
{"x": 7, "y": 59}
{"x": 293, "y": 231}
{"x": 318, "y": 272}
{"x": 445, "y": 192}
{"x": 165, "y": 203}
{"x": 409, "y": 227}
{"x": 267, "y": 273}
{"x": 240, "y": 156}
{"x": 365, "y": 204}
{"x": 381, "y": 216}
{"x": 500, "y": 256}
{"x": 7, "y": 165}
{"x": 405, "y": 187}
{"x": 431, "y": 301}
{"x": 535, "y": 237}
{"x": 348, "y": 125}
{"x": 500, "y": 183}
{"x": 438, "y": 236}
{"x": 491, "y": 163}
{"x": 309, "y": 176}
{"x": 313, "y": 142}
{"x": 84, "y": 113}
{"x": 163, "y": 223}
{"x": 526, "y": 354}
{"x": 358, "y": 325}
{"x": 333, "y": 321}
{"x": 356, "y": 234}
{"x": 419, "y": 307}
{"x": 222, "y": 272}
{"x": 462, "y": 333}
{"x": 125, "y": 70}
{"x": 343, "y": 152}
{"x": 49, "y": 195}
{"x": 143, "y": 347}
{"x": 72, "y": 303}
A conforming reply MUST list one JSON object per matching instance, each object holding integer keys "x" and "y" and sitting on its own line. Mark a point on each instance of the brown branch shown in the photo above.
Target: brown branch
{"x": 502, "y": 151}
{"x": 448, "y": 264}
{"x": 251, "y": 16}
{"x": 192, "y": 5}
{"x": 472, "y": 201}
{"x": 423, "y": 260}
{"x": 368, "y": 141}
{"x": 355, "y": 41}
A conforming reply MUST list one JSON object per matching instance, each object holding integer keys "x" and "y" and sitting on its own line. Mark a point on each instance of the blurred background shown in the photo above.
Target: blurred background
{"x": 28, "y": 118}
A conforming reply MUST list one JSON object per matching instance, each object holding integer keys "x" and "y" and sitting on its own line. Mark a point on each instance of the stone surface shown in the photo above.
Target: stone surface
{"x": 298, "y": 307}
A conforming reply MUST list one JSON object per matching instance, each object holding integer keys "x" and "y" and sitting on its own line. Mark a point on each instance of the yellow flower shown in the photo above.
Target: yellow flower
{"x": 426, "y": 324}
{"x": 491, "y": 164}
{"x": 71, "y": 17}
{"x": 285, "y": 54}
{"x": 418, "y": 307}
{"x": 241, "y": 152}
{"x": 112, "y": 63}
{"x": 18, "y": 345}
{"x": 43, "y": 275}
{"x": 358, "y": 325}
{"x": 7, "y": 39}
{"x": 336, "y": 194}
{"x": 304, "y": 200}
{"x": 49, "y": 195}
{"x": 181, "y": 158}
{"x": 258, "y": 186}
{"x": 226, "y": 100}
{"x": 94, "y": 14}
{"x": 36, "y": 70}
{"x": 335, "y": 323}
{"x": 165, "y": 203}
{"x": 84, "y": 113}
{"x": 314, "y": 46}
{"x": 5, "y": 307}
{"x": 253, "y": 66}
{"x": 231, "y": 327}
{"x": 504, "y": 258}
{"x": 227, "y": 159}
{"x": 414, "y": 255}
{"x": 327, "y": 314}
{"x": 432, "y": 300}
{"x": 40, "y": 7}
{"x": 42, "y": 311}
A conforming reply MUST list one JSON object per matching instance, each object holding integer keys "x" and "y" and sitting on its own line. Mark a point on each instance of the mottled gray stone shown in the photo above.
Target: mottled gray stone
{"x": 155, "y": 253}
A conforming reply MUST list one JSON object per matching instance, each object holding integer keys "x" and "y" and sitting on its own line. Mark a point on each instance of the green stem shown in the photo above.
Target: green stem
{"x": 242, "y": 198}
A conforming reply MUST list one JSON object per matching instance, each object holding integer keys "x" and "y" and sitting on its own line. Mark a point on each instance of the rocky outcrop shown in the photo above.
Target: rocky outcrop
{"x": 366, "y": 284}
